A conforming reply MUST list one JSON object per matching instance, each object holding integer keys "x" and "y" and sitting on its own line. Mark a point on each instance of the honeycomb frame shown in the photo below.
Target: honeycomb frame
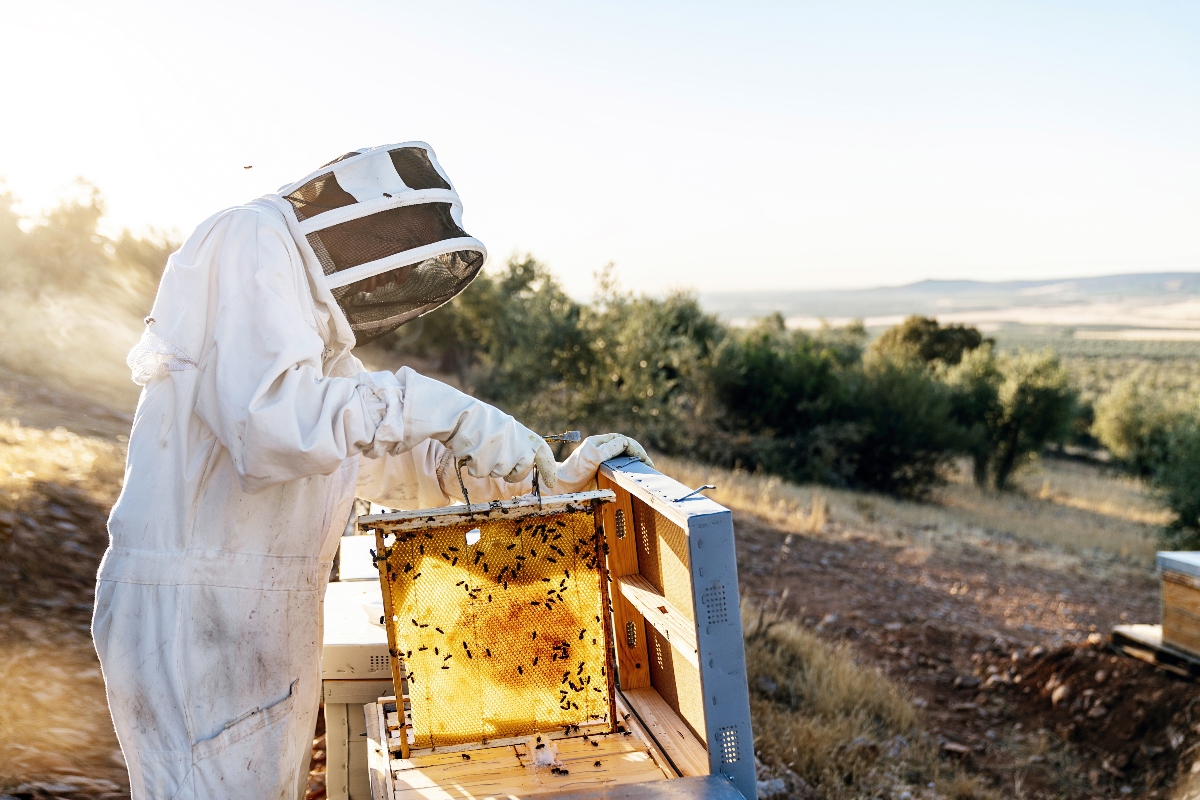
{"x": 498, "y": 619}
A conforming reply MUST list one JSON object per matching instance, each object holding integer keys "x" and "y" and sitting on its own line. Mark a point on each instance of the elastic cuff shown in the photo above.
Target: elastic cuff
{"x": 383, "y": 394}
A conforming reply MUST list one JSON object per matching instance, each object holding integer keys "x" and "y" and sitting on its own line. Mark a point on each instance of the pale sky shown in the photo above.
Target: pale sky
{"x": 699, "y": 145}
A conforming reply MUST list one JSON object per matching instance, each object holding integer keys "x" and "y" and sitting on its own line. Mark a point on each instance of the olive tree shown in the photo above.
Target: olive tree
{"x": 1009, "y": 407}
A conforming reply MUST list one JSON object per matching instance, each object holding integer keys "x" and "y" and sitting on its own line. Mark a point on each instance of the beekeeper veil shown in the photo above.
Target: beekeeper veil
{"x": 385, "y": 225}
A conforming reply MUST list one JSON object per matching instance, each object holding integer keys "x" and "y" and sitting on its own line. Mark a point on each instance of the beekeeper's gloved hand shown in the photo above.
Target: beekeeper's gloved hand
{"x": 482, "y": 438}
{"x": 578, "y": 472}
{"x": 491, "y": 444}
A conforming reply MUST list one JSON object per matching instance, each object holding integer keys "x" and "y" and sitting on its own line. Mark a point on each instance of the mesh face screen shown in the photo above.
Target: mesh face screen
{"x": 358, "y": 241}
{"x": 394, "y": 292}
{"x": 318, "y": 196}
{"x": 405, "y": 293}
{"x": 503, "y": 637}
{"x": 416, "y": 170}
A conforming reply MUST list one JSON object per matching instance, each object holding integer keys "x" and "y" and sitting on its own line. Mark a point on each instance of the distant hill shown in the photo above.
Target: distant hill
{"x": 956, "y": 298}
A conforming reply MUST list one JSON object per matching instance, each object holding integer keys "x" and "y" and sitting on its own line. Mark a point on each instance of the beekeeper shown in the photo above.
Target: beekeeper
{"x": 247, "y": 451}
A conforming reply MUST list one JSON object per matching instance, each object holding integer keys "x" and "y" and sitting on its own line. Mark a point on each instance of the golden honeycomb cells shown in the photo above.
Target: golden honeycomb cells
{"x": 498, "y": 623}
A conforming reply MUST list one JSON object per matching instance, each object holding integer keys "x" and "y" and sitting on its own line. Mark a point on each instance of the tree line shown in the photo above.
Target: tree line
{"x": 824, "y": 405}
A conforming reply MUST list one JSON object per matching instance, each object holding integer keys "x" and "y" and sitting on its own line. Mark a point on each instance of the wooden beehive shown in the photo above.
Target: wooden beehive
{"x": 1181, "y": 600}
{"x": 675, "y": 659}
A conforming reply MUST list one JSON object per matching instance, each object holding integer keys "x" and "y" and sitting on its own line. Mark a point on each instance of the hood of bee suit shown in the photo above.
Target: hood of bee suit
{"x": 384, "y": 226}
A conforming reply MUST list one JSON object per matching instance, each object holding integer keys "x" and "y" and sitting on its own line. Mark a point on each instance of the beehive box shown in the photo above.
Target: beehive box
{"x": 680, "y": 656}
{"x": 667, "y": 693}
{"x": 1181, "y": 600}
{"x": 623, "y": 756}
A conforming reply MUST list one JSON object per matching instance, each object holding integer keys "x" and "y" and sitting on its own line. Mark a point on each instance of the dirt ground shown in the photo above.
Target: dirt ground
{"x": 1008, "y": 661}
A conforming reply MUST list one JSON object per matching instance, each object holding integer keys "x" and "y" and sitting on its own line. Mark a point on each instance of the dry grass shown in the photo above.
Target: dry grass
{"x": 32, "y": 455}
{"x": 54, "y": 724}
{"x": 832, "y": 728}
{"x": 1097, "y": 489}
{"x": 1062, "y": 516}
{"x": 55, "y": 488}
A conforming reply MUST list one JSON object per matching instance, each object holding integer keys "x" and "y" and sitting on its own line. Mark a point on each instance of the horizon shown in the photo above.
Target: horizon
{"x": 973, "y": 281}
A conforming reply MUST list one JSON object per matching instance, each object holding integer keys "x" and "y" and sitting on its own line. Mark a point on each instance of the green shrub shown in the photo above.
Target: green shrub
{"x": 1037, "y": 407}
{"x": 808, "y": 406}
{"x": 1177, "y": 478}
{"x": 774, "y": 381}
{"x": 515, "y": 338}
{"x": 926, "y": 339}
{"x": 777, "y": 399}
{"x": 1009, "y": 407}
{"x": 974, "y": 385}
{"x": 796, "y": 405}
{"x": 1136, "y": 425}
{"x": 901, "y": 424}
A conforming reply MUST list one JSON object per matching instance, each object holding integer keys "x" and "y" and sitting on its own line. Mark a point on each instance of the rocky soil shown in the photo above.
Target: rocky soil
{"x": 1009, "y": 663}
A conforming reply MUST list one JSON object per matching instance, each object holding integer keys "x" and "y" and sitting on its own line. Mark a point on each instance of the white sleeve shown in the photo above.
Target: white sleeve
{"x": 262, "y": 391}
{"x": 408, "y": 480}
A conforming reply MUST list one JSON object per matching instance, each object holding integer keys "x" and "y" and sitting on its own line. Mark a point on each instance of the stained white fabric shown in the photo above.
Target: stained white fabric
{"x": 241, "y": 472}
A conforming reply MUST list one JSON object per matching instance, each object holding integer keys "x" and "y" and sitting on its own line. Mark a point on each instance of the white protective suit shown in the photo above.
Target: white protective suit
{"x": 243, "y": 463}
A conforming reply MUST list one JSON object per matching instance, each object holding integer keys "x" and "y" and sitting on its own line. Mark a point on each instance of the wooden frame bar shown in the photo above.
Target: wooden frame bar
{"x": 517, "y": 508}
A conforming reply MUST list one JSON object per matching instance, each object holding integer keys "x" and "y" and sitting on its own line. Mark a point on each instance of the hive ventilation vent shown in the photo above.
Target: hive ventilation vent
{"x": 714, "y": 605}
{"x": 729, "y": 745}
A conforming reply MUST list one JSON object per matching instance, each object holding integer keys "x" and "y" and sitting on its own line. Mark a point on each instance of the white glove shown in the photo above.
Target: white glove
{"x": 490, "y": 443}
{"x": 579, "y": 470}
